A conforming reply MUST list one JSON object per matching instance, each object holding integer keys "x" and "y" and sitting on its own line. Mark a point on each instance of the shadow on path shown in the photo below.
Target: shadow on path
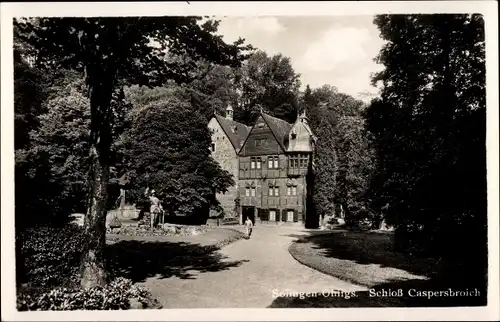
{"x": 138, "y": 260}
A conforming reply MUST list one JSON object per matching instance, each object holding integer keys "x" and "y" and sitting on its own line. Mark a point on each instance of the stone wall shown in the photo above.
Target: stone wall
{"x": 225, "y": 155}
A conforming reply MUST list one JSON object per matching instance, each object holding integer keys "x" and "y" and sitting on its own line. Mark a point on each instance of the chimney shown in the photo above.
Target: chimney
{"x": 229, "y": 112}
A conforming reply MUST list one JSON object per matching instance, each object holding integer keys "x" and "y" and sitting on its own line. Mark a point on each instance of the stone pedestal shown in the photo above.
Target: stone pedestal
{"x": 146, "y": 220}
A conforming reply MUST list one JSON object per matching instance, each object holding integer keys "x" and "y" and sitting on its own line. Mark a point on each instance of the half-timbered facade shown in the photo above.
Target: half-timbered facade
{"x": 270, "y": 162}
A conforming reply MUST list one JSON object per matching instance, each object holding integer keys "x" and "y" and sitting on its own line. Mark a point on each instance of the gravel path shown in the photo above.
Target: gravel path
{"x": 261, "y": 267}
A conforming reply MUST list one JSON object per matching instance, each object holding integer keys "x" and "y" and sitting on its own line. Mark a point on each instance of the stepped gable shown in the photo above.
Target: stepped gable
{"x": 235, "y": 131}
{"x": 279, "y": 127}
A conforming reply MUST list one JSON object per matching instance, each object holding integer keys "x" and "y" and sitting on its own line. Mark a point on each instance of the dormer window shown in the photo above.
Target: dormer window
{"x": 294, "y": 134}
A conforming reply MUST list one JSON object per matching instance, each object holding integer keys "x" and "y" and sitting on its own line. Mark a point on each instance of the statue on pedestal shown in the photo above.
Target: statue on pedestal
{"x": 155, "y": 210}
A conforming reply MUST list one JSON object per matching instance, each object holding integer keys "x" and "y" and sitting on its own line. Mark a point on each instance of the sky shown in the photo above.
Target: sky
{"x": 333, "y": 50}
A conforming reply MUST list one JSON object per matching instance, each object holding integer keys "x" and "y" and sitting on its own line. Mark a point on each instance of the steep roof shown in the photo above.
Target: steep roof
{"x": 235, "y": 131}
{"x": 301, "y": 137}
{"x": 279, "y": 127}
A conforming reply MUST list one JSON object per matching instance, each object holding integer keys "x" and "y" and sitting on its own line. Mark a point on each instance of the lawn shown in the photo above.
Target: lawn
{"x": 363, "y": 258}
{"x": 368, "y": 259}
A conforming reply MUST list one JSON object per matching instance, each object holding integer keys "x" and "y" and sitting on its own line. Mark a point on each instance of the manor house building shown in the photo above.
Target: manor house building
{"x": 271, "y": 162}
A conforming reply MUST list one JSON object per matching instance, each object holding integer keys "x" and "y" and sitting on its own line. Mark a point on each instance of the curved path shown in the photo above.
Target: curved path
{"x": 266, "y": 268}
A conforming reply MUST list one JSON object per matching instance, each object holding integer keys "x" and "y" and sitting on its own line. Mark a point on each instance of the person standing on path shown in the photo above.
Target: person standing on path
{"x": 248, "y": 227}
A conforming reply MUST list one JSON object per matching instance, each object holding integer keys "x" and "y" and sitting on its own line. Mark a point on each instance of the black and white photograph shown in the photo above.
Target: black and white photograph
{"x": 181, "y": 156}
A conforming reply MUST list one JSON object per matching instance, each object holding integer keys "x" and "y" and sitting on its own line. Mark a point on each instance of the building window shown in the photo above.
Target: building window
{"x": 213, "y": 147}
{"x": 255, "y": 162}
{"x": 294, "y": 161}
{"x": 273, "y": 162}
{"x": 304, "y": 158}
{"x": 289, "y": 215}
{"x": 274, "y": 191}
{"x": 272, "y": 215}
{"x": 250, "y": 191}
{"x": 291, "y": 190}
{"x": 294, "y": 190}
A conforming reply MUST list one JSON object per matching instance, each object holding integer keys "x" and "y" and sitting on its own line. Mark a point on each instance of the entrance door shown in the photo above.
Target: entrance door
{"x": 272, "y": 215}
{"x": 248, "y": 212}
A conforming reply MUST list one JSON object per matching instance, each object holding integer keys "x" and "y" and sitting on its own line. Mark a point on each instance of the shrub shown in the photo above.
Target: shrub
{"x": 361, "y": 218}
{"x": 115, "y": 296}
{"x": 49, "y": 256}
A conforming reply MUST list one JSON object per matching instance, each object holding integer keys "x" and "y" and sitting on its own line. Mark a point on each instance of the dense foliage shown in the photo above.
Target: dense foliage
{"x": 167, "y": 151}
{"x": 343, "y": 157}
{"x": 48, "y": 256}
{"x": 269, "y": 83}
{"x": 112, "y": 52}
{"x": 430, "y": 127}
{"x": 48, "y": 263}
{"x": 119, "y": 294}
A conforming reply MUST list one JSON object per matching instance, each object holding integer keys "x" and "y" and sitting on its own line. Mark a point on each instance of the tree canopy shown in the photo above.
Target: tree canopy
{"x": 267, "y": 82}
{"x": 111, "y": 52}
{"x": 343, "y": 156}
{"x": 429, "y": 125}
{"x": 168, "y": 152}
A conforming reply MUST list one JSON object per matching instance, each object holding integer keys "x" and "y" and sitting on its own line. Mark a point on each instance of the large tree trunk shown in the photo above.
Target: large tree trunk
{"x": 93, "y": 263}
{"x": 92, "y": 266}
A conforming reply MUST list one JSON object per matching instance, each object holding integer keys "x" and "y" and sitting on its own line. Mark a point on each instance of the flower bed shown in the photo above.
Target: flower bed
{"x": 167, "y": 230}
{"x": 230, "y": 239}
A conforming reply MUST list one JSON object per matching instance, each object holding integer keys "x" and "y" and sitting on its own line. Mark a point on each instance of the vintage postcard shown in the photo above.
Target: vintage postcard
{"x": 250, "y": 161}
